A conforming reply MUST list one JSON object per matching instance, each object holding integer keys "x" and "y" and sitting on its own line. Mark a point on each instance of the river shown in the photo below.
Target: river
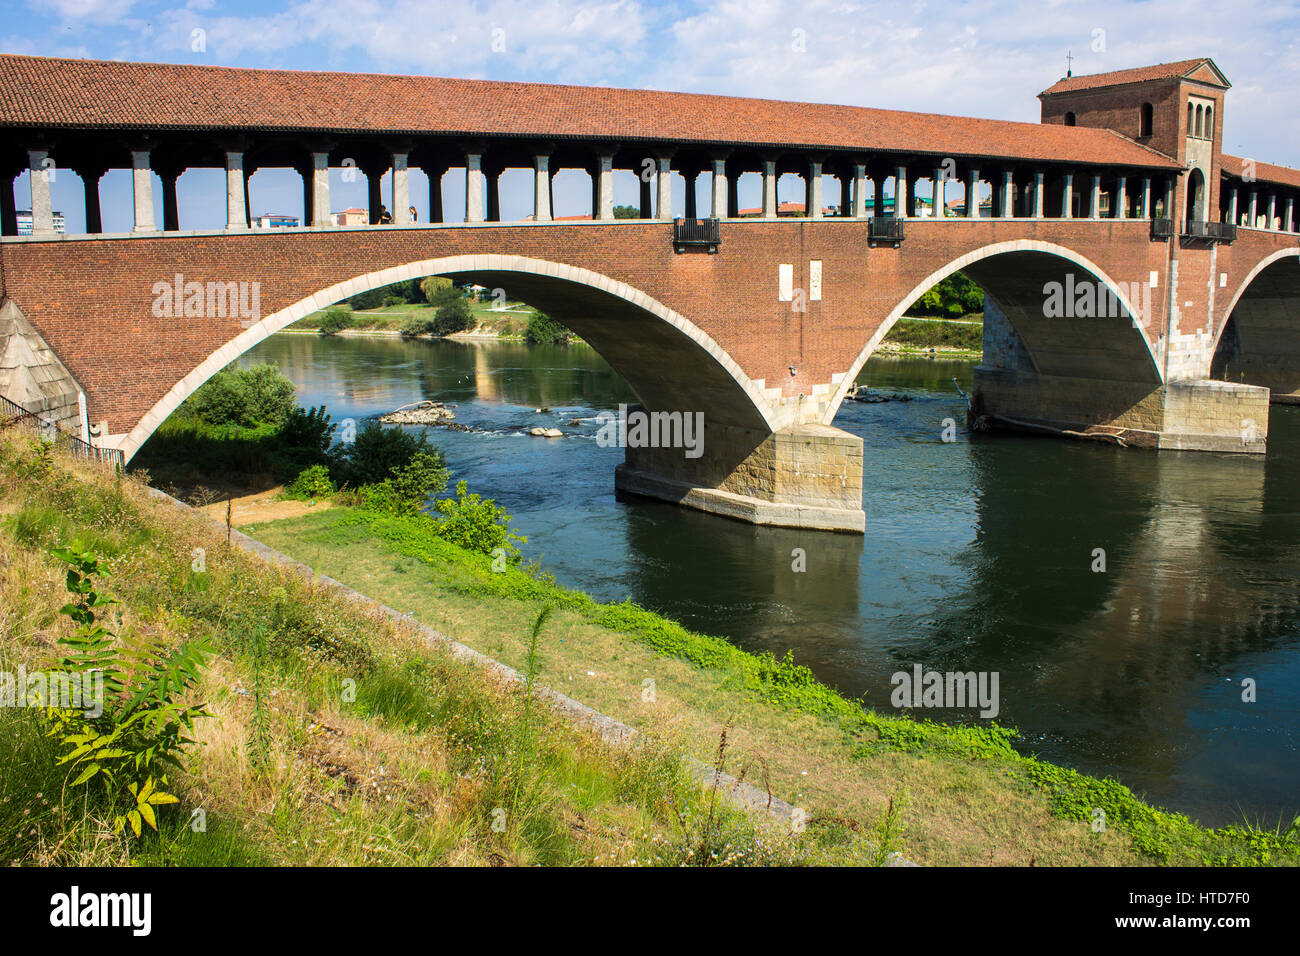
{"x": 978, "y": 556}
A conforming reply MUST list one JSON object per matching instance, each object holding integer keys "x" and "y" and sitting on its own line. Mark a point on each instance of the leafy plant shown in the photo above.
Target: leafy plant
{"x": 313, "y": 482}
{"x": 335, "y": 320}
{"x": 476, "y": 523}
{"x": 139, "y": 736}
{"x": 544, "y": 330}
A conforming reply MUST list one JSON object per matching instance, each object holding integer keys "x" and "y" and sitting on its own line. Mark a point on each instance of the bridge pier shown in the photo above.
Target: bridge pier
{"x": 802, "y": 476}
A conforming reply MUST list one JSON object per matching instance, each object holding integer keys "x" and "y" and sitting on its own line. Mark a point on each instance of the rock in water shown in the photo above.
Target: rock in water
{"x": 420, "y": 413}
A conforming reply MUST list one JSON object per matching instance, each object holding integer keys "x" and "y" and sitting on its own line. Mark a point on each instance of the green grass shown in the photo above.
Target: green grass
{"x": 934, "y": 333}
{"x": 960, "y": 764}
{"x": 338, "y": 737}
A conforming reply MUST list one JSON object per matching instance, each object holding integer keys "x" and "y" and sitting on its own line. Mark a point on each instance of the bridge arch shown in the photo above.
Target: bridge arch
{"x": 1014, "y": 273}
{"x": 668, "y": 361}
{"x": 1259, "y": 341}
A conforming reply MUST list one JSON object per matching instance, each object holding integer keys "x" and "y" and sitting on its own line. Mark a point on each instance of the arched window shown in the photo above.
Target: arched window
{"x": 1209, "y": 122}
{"x": 1191, "y": 118}
{"x": 1069, "y": 119}
{"x": 1200, "y": 115}
{"x": 1147, "y": 120}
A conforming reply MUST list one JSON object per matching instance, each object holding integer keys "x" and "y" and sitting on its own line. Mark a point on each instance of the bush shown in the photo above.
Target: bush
{"x": 954, "y": 296}
{"x": 453, "y": 316}
{"x": 409, "y": 487}
{"x": 478, "y": 524}
{"x": 416, "y": 325}
{"x": 313, "y": 482}
{"x": 249, "y": 397}
{"x": 544, "y": 330}
{"x": 378, "y": 452}
{"x": 335, "y": 320}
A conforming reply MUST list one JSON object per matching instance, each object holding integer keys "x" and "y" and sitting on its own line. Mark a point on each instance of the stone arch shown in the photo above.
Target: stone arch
{"x": 1013, "y": 273}
{"x": 668, "y": 361}
{"x": 1259, "y": 341}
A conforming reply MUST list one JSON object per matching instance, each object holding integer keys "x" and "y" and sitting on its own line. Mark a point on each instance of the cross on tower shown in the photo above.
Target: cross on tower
{"x": 1069, "y": 63}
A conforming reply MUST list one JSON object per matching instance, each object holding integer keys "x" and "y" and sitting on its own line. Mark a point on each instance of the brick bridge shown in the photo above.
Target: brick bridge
{"x": 1141, "y": 285}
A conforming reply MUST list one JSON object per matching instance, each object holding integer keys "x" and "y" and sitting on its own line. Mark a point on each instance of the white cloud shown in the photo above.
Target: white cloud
{"x": 85, "y": 11}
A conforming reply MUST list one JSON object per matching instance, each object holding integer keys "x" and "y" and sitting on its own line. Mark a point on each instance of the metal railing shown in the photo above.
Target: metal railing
{"x": 697, "y": 232}
{"x": 1162, "y": 228}
{"x": 885, "y": 229}
{"x": 11, "y": 413}
{"x": 1211, "y": 231}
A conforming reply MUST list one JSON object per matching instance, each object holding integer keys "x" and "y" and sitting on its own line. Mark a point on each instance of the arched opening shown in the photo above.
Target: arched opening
{"x": 1191, "y": 119}
{"x": 1200, "y": 116}
{"x": 1069, "y": 119}
{"x": 668, "y": 362}
{"x": 1147, "y": 120}
{"x": 1062, "y": 320}
{"x": 1260, "y": 342}
{"x": 1208, "y": 129}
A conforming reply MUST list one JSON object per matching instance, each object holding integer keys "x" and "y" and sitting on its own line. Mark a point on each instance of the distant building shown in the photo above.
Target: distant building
{"x": 352, "y": 216}
{"x": 25, "y": 222}
{"x": 269, "y": 221}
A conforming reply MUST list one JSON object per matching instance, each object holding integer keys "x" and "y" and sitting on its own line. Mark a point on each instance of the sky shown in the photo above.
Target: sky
{"x": 984, "y": 58}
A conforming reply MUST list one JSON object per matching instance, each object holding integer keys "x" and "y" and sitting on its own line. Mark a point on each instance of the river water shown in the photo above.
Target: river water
{"x": 978, "y": 556}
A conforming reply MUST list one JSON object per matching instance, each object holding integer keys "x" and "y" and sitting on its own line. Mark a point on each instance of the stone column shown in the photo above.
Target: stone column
{"x": 1289, "y": 223}
{"x": 646, "y": 198}
{"x": 1094, "y": 200}
{"x": 973, "y": 194}
{"x": 939, "y": 198}
{"x": 664, "y": 188}
{"x": 1232, "y": 205}
{"x": 733, "y": 194}
{"x": 171, "y": 210}
{"x": 1121, "y": 199}
{"x": 1067, "y": 196}
{"x": 1038, "y": 194}
{"x": 435, "y": 172}
{"x": 401, "y": 190}
{"x": 235, "y": 208}
{"x": 1169, "y": 198}
{"x": 142, "y": 191}
{"x": 718, "y": 208}
{"x": 1272, "y": 210}
{"x": 320, "y": 188}
{"x": 90, "y": 177}
{"x": 492, "y": 178}
{"x": 1146, "y": 197}
{"x": 542, "y": 187}
{"x": 605, "y": 187}
{"x": 859, "y": 191}
{"x": 900, "y": 192}
{"x": 769, "y": 188}
{"x": 846, "y": 194}
{"x": 1008, "y": 194}
{"x": 42, "y": 205}
{"x": 813, "y": 194}
{"x": 474, "y": 187}
{"x": 690, "y": 176}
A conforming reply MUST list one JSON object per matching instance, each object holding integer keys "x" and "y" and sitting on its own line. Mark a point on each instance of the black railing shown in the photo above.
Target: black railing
{"x": 12, "y": 413}
{"x": 687, "y": 233}
{"x": 1209, "y": 231}
{"x": 1162, "y": 228}
{"x": 885, "y": 229}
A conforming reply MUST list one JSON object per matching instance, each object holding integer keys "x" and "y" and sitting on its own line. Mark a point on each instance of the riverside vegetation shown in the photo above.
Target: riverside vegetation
{"x": 944, "y": 794}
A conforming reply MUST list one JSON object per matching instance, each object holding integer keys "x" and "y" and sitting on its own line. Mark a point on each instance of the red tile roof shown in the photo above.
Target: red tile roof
{"x": 1264, "y": 172}
{"x": 1140, "y": 74}
{"x": 48, "y": 92}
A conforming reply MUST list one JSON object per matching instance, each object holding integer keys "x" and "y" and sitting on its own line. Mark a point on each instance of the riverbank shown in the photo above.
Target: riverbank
{"x": 961, "y": 795}
{"x": 331, "y": 734}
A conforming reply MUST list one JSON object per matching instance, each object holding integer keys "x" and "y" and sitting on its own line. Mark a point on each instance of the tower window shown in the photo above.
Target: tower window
{"x": 1069, "y": 119}
{"x": 1147, "y": 120}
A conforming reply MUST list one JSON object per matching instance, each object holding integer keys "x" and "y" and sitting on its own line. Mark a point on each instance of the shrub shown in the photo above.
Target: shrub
{"x": 453, "y": 316}
{"x": 417, "y": 324}
{"x": 544, "y": 330}
{"x": 248, "y": 397}
{"x": 478, "y": 524}
{"x": 313, "y": 482}
{"x": 335, "y": 320}
{"x": 438, "y": 289}
{"x": 378, "y": 452}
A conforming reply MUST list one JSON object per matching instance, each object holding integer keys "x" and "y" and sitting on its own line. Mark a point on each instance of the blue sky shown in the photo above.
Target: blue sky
{"x": 979, "y": 58}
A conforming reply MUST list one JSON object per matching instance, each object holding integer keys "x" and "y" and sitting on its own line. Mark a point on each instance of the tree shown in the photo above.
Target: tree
{"x": 627, "y": 212}
{"x": 453, "y": 316}
{"x": 433, "y": 286}
{"x": 336, "y": 319}
{"x": 544, "y": 330}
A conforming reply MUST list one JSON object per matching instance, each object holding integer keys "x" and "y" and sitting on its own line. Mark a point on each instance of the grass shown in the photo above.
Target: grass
{"x": 508, "y": 324}
{"x": 918, "y": 334}
{"x": 338, "y": 736}
{"x": 957, "y": 795}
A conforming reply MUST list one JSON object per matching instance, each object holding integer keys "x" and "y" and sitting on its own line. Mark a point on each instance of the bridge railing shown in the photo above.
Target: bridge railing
{"x": 1211, "y": 231}
{"x": 706, "y": 233}
{"x": 12, "y": 413}
{"x": 885, "y": 229}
